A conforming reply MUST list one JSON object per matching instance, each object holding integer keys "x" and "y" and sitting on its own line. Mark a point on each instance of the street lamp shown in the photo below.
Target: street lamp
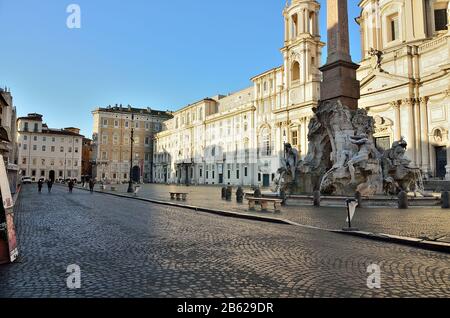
{"x": 130, "y": 182}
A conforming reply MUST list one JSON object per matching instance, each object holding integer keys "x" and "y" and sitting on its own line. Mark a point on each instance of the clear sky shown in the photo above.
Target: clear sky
{"x": 147, "y": 53}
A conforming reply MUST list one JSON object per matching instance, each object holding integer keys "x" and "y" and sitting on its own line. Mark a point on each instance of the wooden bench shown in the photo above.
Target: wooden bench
{"x": 178, "y": 195}
{"x": 264, "y": 202}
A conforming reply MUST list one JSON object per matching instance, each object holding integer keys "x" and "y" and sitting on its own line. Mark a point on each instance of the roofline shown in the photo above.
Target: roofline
{"x": 266, "y": 72}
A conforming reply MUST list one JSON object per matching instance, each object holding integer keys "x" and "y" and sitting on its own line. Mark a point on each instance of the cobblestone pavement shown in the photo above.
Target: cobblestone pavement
{"x": 428, "y": 223}
{"x": 128, "y": 248}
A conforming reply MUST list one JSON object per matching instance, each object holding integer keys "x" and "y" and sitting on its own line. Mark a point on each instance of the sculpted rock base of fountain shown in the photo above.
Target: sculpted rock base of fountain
{"x": 342, "y": 158}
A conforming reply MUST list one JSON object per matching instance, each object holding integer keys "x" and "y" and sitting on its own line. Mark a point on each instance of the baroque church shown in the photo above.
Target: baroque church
{"x": 239, "y": 139}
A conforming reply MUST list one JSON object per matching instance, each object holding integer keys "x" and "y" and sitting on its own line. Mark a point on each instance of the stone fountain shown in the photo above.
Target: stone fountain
{"x": 342, "y": 158}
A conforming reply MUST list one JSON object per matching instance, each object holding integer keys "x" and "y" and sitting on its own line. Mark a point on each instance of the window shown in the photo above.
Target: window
{"x": 105, "y": 122}
{"x": 104, "y": 139}
{"x": 127, "y": 124}
{"x": 44, "y": 148}
{"x": 44, "y": 139}
{"x": 265, "y": 148}
{"x": 25, "y": 137}
{"x": 295, "y": 71}
{"x": 25, "y": 146}
{"x": 201, "y": 172}
{"x": 440, "y": 19}
{"x": 147, "y": 141}
{"x": 393, "y": 24}
{"x": 295, "y": 139}
{"x": 237, "y": 174}
{"x": 70, "y": 149}
{"x": 246, "y": 172}
{"x": 25, "y": 126}
{"x": 383, "y": 143}
{"x": 35, "y": 138}
{"x": 294, "y": 29}
{"x": 76, "y": 149}
{"x": 24, "y": 161}
{"x": 61, "y": 149}
{"x": 34, "y": 147}
{"x": 52, "y": 149}
{"x": 53, "y": 139}
{"x": 36, "y": 126}
{"x": 116, "y": 124}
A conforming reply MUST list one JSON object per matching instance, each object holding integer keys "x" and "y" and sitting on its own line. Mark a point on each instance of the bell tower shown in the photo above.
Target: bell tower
{"x": 302, "y": 51}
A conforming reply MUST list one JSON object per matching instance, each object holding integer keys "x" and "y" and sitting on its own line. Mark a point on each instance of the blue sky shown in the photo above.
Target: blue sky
{"x": 147, "y": 53}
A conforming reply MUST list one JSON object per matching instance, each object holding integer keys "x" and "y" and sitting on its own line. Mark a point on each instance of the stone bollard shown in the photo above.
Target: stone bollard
{"x": 403, "y": 200}
{"x": 358, "y": 197}
{"x": 239, "y": 195}
{"x": 283, "y": 197}
{"x": 257, "y": 194}
{"x": 316, "y": 199}
{"x": 445, "y": 200}
{"x": 229, "y": 193}
{"x": 224, "y": 193}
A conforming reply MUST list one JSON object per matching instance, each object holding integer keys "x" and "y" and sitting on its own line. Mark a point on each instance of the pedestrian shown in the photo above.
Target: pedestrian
{"x": 91, "y": 185}
{"x": 40, "y": 184}
{"x": 49, "y": 185}
{"x": 71, "y": 185}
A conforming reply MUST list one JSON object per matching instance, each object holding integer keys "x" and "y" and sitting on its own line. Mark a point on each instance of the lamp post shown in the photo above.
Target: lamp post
{"x": 130, "y": 182}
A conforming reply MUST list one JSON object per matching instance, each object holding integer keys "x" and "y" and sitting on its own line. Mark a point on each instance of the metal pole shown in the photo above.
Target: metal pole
{"x": 130, "y": 182}
{"x": 349, "y": 219}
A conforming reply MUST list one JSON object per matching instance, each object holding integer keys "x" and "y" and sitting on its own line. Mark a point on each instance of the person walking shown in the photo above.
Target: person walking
{"x": 40, "y": 184}
{"x": 49, "y": 185}
{"x": 71, "y": 185}
{"x": 91, "y": 185}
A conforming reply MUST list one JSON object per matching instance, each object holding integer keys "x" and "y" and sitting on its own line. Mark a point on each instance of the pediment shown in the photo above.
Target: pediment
{"x": 378, "y": 81}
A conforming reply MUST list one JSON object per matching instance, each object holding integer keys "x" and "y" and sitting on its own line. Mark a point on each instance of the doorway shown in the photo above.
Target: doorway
{"x": 441, "y": 162}
{"x": 266, "y": 180}
{"x": 51, "y": 176}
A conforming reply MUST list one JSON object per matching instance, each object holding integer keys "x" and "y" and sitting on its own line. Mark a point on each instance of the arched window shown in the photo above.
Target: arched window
{"x": 265, "y": 149}
{"x": 295, "y": 71}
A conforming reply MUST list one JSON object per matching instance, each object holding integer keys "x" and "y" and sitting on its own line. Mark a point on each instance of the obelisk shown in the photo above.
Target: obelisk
{"x": 339, "y": 73}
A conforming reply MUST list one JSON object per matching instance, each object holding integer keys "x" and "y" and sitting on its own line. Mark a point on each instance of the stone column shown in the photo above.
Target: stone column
{"x": 425, "y": 134}
{"x": 397, "y": 121}
{"x": 418, "y": 131}
{"x": 305, "y": 123}
{"x": 409, "y": 104}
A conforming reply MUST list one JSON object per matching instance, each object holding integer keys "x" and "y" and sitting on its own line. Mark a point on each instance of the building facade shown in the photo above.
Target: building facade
{"x": 405, "y": 77}
{"x": 52, "y": 154}
{"x": 112, "y": 135}
{"x": 8, "y": 118}
{"x": 239, "y": 139}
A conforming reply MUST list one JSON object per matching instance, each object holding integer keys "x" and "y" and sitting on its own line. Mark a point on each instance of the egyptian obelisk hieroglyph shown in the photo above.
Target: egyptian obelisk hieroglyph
{"x": 339, "y": 73}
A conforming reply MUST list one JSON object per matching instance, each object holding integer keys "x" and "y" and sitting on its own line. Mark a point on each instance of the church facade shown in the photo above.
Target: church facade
{"x": 239, "y": 139}
{"x": 404, "y": 74}
{"x": 405, "y": 77}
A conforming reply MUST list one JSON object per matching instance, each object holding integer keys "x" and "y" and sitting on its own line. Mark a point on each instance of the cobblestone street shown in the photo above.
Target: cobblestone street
{"x": 128, "y": 248}
{"x": 431, "y": 223}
